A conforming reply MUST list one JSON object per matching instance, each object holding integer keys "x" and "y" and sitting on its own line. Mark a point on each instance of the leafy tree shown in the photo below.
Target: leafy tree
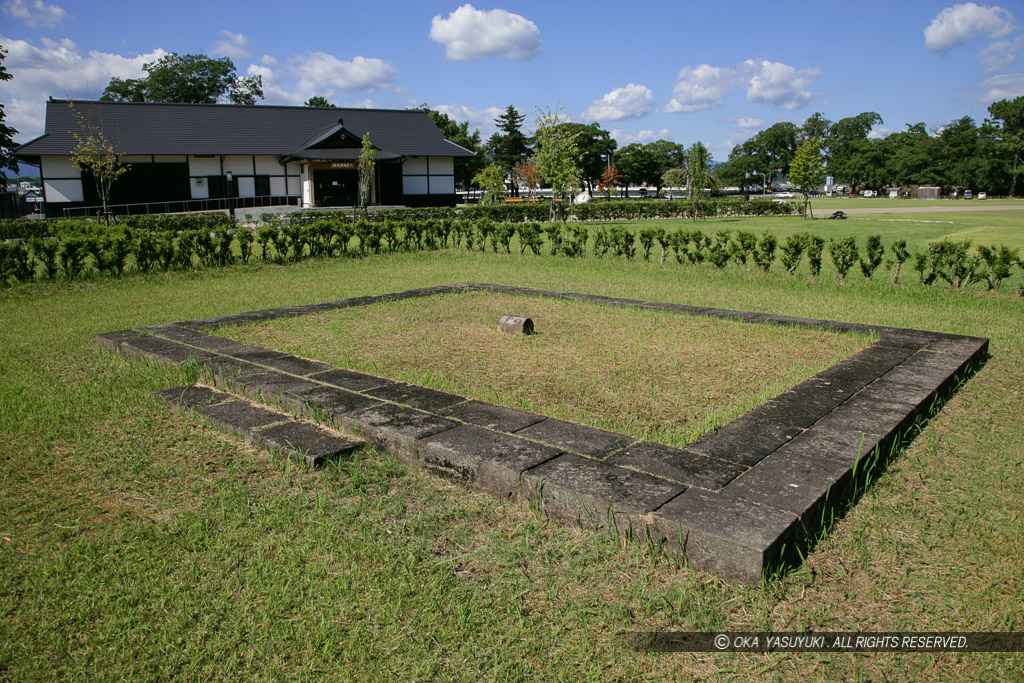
{"x": 367, "y": 164}
{"x": 637, "y": 165}
{"x": 95, "y": 155}
{"x": 817, "y": 126}
{"x": 527, "y": 174}
{"x": 1008, "y": 122}
{"x": 186, "y": 78}
{"x": 7, "y": 161}
{"x": 318, "y": 101}
{"x": 807, "y": 170}
{"x": 674, "y": 177}
{"x": 698, "y": 176}
{"x": 492, "y": 181}
{"x": 609, "y": 180}
{"x": 769, "y": 151}
{"x": 453, "y": 131}
{"x": 557, "y": 155}
{"x": 848, "y": 148}
{"x": 509, "y": 145}
{"x": 911, "y": 157}
{"x": 595, "y": 145}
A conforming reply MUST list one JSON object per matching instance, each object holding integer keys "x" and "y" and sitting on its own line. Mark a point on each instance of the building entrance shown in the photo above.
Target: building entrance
{"x": 333, "y": 187}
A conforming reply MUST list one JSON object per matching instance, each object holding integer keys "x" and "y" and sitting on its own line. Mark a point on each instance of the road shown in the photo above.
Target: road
{"x": 853, "y": 211}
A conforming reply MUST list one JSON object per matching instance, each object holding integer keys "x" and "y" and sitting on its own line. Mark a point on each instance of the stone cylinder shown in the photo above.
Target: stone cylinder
{"x": 515, "y": 324}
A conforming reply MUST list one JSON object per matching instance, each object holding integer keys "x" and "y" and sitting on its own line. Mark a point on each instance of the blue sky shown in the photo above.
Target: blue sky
{"x": 684, "y": 71}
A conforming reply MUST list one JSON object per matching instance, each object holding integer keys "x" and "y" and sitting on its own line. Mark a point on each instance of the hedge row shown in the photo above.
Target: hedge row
{"x": 120, "y": 249}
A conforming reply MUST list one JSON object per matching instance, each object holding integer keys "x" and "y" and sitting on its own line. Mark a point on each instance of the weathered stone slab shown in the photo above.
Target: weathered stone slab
{"x": 296, "y": 366}
{"x": 747, "y": 439}
{"x": 268, "y": 384}
{"x": 176, "y": 332}
{"x": 305, "y": 442}
{"x": 597, "y": 495}
{"x": 482, "y": 459}
{"x": 350, "y": 379}
{"x": 415, "y": 396}
{"x": 224, "y": 368}
{"x": 728, "y": 536}
{"x": 676, "y": 464}
{"x": 191, "y": 395}
{"x": 331, "y": 400}
{"x": 221, "y": 345}
{"x": 596, "y": 443}
{"x": 112, "y": 340}
{"x": 240, "y": 416}
{"x": 161, "y": 350}
{"x": 257, "y": 355}
{"x": 491, "y": 416}
{"x": 396, "y": 428}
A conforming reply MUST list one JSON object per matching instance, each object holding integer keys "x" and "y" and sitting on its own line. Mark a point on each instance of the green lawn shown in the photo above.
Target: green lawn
{"x": 140, "y": 543}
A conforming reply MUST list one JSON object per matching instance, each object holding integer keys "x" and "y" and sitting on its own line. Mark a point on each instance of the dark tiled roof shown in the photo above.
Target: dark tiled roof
{"x": 157, "y": 128}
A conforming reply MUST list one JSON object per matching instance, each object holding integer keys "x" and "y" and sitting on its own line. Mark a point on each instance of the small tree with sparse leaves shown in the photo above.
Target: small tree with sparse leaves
{"x": 367, "y": 168}
{"x": 557, "y": 156}
{"x": 94, "y": 154}
{"x": 807, "y": 171}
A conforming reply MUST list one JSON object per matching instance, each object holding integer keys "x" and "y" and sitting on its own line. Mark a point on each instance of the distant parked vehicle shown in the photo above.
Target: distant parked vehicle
{"x": 982, "y": 195}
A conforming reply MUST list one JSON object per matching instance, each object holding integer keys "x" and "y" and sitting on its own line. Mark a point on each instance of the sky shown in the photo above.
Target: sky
{"x": 644, "y": 70}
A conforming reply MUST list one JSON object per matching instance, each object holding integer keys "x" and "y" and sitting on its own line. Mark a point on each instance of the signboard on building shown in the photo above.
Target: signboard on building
{"x": 348, "y": 165}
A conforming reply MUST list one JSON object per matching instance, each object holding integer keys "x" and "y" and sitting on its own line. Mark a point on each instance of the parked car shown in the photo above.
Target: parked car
{"x": 982, "y": 195}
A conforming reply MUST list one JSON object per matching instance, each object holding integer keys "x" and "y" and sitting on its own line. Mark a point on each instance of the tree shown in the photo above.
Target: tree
{"x": 557, "y": 155}
{"x": 807, "y": 170}
{"x": 465, "y": 167}
{"x": 509, "y": 145}
{"x": 638, "y": 166}
{"x": 194, "y": 79}
{"x": 1007, "y": 123}
{"x": 7, "y": 160}
{"x": 674, "y": 177}
{"x": 848, "y": 149}
{"x": 698, "y": 175}
{"x": 491, "y": 180}
{"x": 318, "y": 101}
{"x": 367, "y": 164}
{"x": 95, "y": 155}
{"x": 609, "y": 180}
{"x": 816, "y": 126}
{"x": 596, "y": 146}
{"x": 527, "y": 174}
{"x": 767, "y": 152}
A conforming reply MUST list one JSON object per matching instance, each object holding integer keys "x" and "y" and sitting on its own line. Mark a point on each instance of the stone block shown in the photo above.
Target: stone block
{"x": 270, "y": 385}
{"x": 678, "y": 465}
{"x": 331, "y": 400}
{"x": 749, "y": 438}
{"x": 415, "y": 396}
{"x": 305, "y": 442}
{"x": 396, "y": 428}
{"x": 112, "y": 340}
{"x": 191, "y": 395}
{"x": 491, "y": 416}
{"x": 597, "y": 495}
{"x": 482, "y": 459}
{"x": 350, "y": 379}
{"x": 726, "y": 535}
{"x": 240, "y": 416}
{"x": 224, "y": 368}
{"x": 156, "y": 349}
{"x": 296, "y": 366}
{"x": 568, "y": 436}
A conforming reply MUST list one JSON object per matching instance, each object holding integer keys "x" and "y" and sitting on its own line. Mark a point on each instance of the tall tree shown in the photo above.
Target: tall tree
{"x": 367, "y": 170}
{"x": 596, "y": 146}
{"x": 557, "y": 156}
{"x": 187, "y": 78}
{"x": 1008, "y": 122}
{"x": 698, "y": 175}
{"x": 509, "y": 145}
{"x": 646, "y": 164}
{"x": 7, "y": 160}
{"x": 807, "y": 170}
{"x": 911, "y": 157}
{"x": 848, "y": 148}
{"x": 767, "y": 152}
{"x": 816, "y": 126}
{"x": 319, "y": 101}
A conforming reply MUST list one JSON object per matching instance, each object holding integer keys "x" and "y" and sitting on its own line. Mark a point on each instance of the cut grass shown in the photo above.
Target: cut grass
{"x": 146, "y": 545}
{"x": 649, "y": 374}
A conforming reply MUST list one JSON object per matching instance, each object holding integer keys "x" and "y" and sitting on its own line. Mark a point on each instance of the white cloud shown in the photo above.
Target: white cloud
{"x": 59, "y": 69}
{"x": 35, "y": 13}
{"x": 1001, "y": 87}
{"x": 958, "y": 24}
{"x": 778, "y": 84}
{"x": 623, "y": 103}
{"x": 701, "y": 87}
{"x": 879, "y": 132}
{"x": 628, "y": 137}
{"x": 296, "y": 79}
{"x": 469, "y": 33}
{"x": 478, "y": 119}
{"x": 233, "y": 45}
{"x": 1000, "y": 54}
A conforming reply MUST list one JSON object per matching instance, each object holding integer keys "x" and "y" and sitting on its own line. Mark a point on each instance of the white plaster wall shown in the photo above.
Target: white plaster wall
{"x": 204, "y": 165}
{"x": 444, "y": 184}
{"x": 442, "y": 165}
{"x": 278, "y": 187}
{"x": 414, "y": 165}
{"x": 57, "y": 167}
{"x": 268, "y": 165}
{"x": 63, "y": 190}
{"x": 200, "y": 188}
{"x": 293, "y": 168}
{"x": 294, "y": 188}
{"x": 239, "y": 165}
{"x": 247, "y": 187}
{"x": 414, "y": 185}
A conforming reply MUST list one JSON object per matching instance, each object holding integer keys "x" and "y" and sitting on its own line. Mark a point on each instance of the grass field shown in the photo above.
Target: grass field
{"x": 652, "y": 375}
{"x": 140, "y": 543}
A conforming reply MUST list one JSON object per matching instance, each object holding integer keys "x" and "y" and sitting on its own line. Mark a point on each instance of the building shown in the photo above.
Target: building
{"x": 205, "y": 156}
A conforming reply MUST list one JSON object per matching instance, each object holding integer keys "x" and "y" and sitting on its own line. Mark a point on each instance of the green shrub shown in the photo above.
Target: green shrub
{"x": 792, "y": 252}
{"x": 815, "y": 247}
{"x": 899, "y": 257}
{"x": 844, "y": 254}
{"x": 999, "y": 262}
{"x": 530, "y": 237}
{"x": 873, "y": 252}
{"x": 765, "y": 253}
